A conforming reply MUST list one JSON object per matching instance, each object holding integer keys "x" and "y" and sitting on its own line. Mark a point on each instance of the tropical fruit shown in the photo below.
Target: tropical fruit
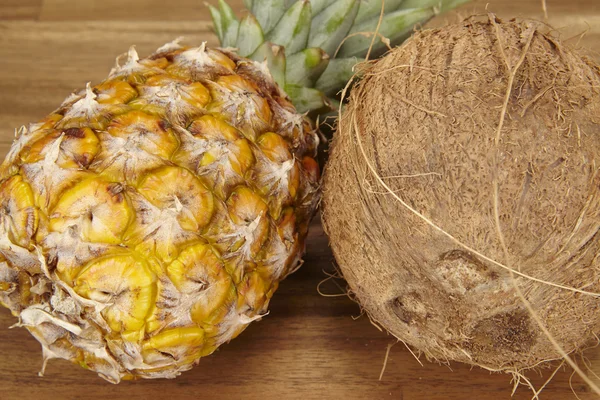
{"x": 462, "y": 196}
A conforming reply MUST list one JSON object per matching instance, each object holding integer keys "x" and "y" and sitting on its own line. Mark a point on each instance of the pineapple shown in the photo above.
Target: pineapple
{"x": 151, "y": 217}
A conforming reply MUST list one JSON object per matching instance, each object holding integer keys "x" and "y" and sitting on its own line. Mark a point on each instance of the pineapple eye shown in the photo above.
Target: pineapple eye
{"x": 200, "y": 276}
{"x": 98, "y": 208}
{"x": 173, "y": 207}
{"x": 182, "y": 344}
{"x": 177, "y": 188}
{"x": 88, "y": 112}
{"x": 133, "y": 144}
{"x": 239, "y": 100}
{"x": 274, "y": 147}
{"x": 249, "y": 213}
{"x": 115, "y": 92}
{"x": 19, "y": 215}
{"x": 200, "y": 62}
{"x": 125, "y": 284}
{"x": 77, "y": 148}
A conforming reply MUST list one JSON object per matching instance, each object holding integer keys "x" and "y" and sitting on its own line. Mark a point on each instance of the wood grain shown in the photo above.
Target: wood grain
{"x": 130, "y": 11}
{"x": 20, "y": 9}
{"x": 309, "y": 346}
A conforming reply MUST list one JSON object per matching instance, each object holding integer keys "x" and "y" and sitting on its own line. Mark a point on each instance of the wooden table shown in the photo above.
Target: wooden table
{"x": 310, "y": 346}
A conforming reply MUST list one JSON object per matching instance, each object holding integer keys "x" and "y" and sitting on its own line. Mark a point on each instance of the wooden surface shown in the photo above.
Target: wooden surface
{"x": 309, "y": 347}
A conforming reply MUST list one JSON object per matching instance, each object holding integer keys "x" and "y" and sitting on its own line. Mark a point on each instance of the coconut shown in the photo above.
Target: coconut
{"x": 462, "y": 194}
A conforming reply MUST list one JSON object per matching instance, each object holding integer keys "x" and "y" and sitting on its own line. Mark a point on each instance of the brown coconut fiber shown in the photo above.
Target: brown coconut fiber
{"x": 462, "y": 195}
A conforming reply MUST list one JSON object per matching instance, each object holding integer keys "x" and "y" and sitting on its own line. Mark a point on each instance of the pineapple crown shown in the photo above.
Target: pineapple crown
{"x": 312, "y": 46}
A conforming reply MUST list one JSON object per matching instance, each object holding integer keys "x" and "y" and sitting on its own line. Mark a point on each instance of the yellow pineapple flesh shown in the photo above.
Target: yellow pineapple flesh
{"x": 151, "y": 217}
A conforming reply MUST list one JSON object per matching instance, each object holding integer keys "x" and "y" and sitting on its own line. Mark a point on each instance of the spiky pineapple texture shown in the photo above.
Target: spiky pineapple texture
{"x": 150, "y": 218}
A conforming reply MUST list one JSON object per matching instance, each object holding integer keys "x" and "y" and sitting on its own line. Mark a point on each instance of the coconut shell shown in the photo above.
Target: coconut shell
{"x": 470, "y": 152}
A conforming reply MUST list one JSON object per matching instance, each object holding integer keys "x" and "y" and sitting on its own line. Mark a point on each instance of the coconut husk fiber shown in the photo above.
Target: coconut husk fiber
{"x": 463, "y": 187}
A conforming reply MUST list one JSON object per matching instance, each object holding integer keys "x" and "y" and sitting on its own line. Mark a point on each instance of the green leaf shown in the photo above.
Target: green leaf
{"x": 268, "y": 12}
{"x": 305, "y": 67}
{"x": 216, "y": 19}
{"x": 338, "y": 73}
{"x": 306, "y": 99}
{"x": 230, "y": 35}
{"x": 420, "y": 3}
{"x": 329, "y": 28}
{"x": 250, "y": 36}
{"x": 274, "y": 55}
{"x": 320, "y": 5}
{"x": 229, "y": 24}
{"x": 248, "y": 4}
{"x": 396, "y": 26}
{"x": 293, "y": 28}
{"x": 227, "y": 13}
{"x": 372, "y": 8}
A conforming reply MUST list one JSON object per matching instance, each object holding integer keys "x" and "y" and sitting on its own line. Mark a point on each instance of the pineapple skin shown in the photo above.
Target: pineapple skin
{"x": 150, "y": 218}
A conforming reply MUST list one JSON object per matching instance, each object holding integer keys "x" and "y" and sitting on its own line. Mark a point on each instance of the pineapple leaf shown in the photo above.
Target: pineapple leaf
{"x": 305, "y": 67}
{"x": 293, "y": 28}
{"x": 396, "y": 26}
{"x": 337, "y": 74}
{"x": 372, "y": 8}
{"x": 216, "y": 19}
{"x": 229, "y": 23}
{"x": 250, "y": 36}
{"x": 268, "y": 12}
{"x": 331, "y": 26}
{"x": 226, "y": 10}
{"x": 320, "y": 5}
{"x": 306, "y": 99}
{"x": 274, "y": 56}
{"x": 230, "y": 35}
